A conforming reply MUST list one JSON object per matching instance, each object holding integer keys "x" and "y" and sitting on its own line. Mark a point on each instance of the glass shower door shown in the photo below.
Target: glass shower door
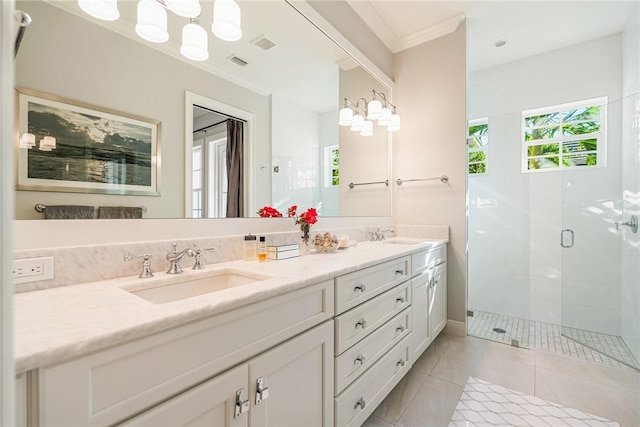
{"x": 592, "y": 315}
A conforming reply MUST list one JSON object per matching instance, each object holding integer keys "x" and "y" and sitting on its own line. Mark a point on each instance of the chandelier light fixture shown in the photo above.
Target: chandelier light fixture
{"x": 360, "y": 118}
{"x": 151, "y": 22}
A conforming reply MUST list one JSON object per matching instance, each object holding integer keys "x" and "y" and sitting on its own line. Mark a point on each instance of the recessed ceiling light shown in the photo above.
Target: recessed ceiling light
{"x": 500, "y": 43}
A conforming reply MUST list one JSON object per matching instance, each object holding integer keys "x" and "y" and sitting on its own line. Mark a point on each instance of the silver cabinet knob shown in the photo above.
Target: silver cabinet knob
{"x": 400, "y": 300}
{"x": 400, "y": 272}
{"x": 359, "y": 360}
{"x": 401, "y": 362}
{"x": 400, "y": 328}
{"x": 361, "y": 288}
{"x": 361, "y": 324}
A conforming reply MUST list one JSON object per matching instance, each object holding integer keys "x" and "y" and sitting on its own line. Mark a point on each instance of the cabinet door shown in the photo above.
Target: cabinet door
{"x": 212, "y": 403}
{"x": 421, "y": 285}
{"x": 438, "y": 300}
{"x": 292, "y": 385}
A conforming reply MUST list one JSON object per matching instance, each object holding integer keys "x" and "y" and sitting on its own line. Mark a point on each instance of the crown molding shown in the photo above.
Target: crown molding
{"x": 379, "y": 26}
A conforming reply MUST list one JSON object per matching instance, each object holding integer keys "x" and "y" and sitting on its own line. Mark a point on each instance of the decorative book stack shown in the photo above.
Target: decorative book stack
{"x": 283, "y": 251}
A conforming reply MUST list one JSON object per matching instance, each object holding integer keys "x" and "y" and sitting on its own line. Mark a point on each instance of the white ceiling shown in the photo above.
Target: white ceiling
{"x": 530, "y": 27}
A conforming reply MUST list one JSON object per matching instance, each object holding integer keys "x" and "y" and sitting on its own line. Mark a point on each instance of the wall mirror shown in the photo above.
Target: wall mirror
{"x": 284, "y": 73}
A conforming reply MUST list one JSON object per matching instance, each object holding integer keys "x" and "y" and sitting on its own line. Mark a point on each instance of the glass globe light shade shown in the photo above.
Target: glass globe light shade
{"x": 346, "y": 117}
{"x": 152, "y": 21}
{"x": 357, "y": 123}
{"x": 27, "y": 140}
{"x": 385, "y": 117}
{"x": 367, "y": 128}
{"x": 395, "y": 123}
{"x": 374, "y": 109}
{"x": 226, "y": 20}
{"x": 195, "y": 42}
{"x": 48, "y": 141}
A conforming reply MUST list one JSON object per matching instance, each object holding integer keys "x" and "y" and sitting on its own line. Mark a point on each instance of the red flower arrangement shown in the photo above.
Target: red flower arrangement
{"x": 306, "y": 219}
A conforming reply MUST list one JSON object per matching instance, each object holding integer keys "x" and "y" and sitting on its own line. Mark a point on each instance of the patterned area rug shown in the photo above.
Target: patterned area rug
{"x": 486, "y": 404}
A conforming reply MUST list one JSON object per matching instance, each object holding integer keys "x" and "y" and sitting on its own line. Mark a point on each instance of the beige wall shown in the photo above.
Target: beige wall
{"x": 67, "y": 56}
{"x": 430, "y": 95}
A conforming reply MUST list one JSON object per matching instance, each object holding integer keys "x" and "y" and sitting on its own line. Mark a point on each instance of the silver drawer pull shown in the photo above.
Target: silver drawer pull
{"x": 400, "y": 272}
{"x": 401, "y": 362}
{"x": 400, "y": 300}
{"x": 359, "y": 360}
{"x": 361, "y": 324}
{"x": 262, "y": 392}
{"x": 242, "y": 405}
{"x": 361, "y": 288}
{"x": 400, "y": 328}
{"x": 361, "y": 403}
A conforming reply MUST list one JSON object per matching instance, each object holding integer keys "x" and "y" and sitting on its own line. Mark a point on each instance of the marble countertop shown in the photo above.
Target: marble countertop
{"x": 58, "y": 324}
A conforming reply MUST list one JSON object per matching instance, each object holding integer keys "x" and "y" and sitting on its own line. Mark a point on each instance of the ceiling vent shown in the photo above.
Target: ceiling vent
{"x": 238, "y": 61}
{"x": 264, "y": 43}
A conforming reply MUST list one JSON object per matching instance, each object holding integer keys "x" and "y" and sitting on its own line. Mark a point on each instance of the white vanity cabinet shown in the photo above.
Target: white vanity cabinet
{"x": 288, "y": 385}
{"x": 111, "y": 386}
{"x": 429, "y": 299}
{"x": 373, "y": 337}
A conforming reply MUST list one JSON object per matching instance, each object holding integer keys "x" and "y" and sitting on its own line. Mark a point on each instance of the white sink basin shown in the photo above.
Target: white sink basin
{"x": 183, "y": 288}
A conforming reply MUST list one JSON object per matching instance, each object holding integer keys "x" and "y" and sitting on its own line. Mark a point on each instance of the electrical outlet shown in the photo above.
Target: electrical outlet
{"x": 32, "y": 269}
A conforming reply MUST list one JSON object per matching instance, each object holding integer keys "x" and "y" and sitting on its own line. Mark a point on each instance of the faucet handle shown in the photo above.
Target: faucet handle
{"x": 198, "y": 265}
{"x": 175, "y": 247}
{"x": 146, "y": 264}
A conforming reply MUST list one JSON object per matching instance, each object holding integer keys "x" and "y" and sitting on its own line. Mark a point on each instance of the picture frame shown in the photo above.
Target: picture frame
{"x": 95, "y": 149}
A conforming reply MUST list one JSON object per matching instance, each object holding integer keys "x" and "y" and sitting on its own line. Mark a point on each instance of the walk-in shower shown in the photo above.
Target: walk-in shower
{"x": 554, "y": 187}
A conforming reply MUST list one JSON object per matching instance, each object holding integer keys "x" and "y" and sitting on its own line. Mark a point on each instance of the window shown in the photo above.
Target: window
{"x": 331, "y": 166}
{"x": 478, "y": 145}
{"x": 567, "y": 136}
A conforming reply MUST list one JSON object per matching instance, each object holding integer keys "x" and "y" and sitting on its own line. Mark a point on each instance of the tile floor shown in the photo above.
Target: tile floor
{"x": 486, "y": 404}
{"x": 427, "y": 396}
{"x": 548, "y": 337}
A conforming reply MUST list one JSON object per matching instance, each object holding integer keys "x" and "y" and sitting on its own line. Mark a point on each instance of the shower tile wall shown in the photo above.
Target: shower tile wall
{"x": 631, "y": 186}
{"x": 515, "y": 219}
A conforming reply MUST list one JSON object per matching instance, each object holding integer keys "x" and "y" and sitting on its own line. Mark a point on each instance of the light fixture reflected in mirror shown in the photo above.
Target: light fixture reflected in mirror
{"x": 27, "y": 140}
{"x": 48, "y": 142}
{"x": 367, "y": 128}
{"x": 377, "y": 109}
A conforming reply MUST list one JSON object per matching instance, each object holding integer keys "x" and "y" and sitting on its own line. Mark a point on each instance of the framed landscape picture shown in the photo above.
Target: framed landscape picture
{"x": 85, "y": 148}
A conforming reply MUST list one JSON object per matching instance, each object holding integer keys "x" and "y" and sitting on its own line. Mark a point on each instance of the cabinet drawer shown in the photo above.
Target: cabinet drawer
{"x": 358, "y": 323}
{"x": 423, "y": 260}
{"x": 361, "y": 398}
{"x": 357, "y": 287}
{"x": 109, "y": 386}
{"x": 353, "y": 362}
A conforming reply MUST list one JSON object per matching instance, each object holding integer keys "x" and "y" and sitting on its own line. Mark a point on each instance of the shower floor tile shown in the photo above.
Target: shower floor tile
{"x": 548, "y": 337}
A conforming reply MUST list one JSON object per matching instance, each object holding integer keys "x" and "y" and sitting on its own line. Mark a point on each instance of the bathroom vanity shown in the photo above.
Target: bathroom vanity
{"x": 316, "y": 340}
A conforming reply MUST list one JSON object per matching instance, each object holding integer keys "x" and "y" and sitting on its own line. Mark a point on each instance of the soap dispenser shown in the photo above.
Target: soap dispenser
{"x": 250, "y": 247}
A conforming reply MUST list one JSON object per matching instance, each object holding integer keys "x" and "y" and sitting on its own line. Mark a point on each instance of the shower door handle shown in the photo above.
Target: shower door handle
{"x": 562, "y": 240}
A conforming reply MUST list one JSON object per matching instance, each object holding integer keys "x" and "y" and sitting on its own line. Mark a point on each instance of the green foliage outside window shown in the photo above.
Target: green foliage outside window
{"x": 563, "y": 139}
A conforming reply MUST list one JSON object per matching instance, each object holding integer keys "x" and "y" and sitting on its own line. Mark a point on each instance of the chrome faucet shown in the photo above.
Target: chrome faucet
{"x": 174, "y": 258}
{"x": 198, "y": 265}
{"x": 146, "y": 264}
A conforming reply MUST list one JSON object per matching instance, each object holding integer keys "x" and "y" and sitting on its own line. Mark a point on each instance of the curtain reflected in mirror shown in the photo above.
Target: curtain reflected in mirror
{"x": 235, "y": 172}
{"x": 217, "y": 165}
